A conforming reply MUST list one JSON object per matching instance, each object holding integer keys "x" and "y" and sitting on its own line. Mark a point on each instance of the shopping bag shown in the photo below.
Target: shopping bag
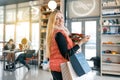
{"x": 68, "y": 73}
{"x": 79, "y": 64}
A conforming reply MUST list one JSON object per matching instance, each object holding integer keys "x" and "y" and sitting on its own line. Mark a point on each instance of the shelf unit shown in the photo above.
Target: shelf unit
{"x": 110, "y": 37}
{"x": 44, "y": 16}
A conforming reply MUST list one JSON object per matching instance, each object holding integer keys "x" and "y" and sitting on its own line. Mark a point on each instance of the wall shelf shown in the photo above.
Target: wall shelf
{"x": 111, "y": 16}
{"x": 108, "y": 54}
{"x": 110, "y": 35}
{"x": 110, "y": 7}
{"x": 115, "y": 25}
{"x": 111, "y": 45}
{"x": 110, "y": 25}
{"x": 44, "y": 16}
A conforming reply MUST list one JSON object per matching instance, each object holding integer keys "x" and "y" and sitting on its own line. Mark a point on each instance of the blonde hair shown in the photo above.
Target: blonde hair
{"x": 50, "y": 29}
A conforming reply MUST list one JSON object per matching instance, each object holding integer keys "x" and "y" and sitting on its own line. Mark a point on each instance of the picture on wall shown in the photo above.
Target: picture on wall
{"x": 83, "y": 8}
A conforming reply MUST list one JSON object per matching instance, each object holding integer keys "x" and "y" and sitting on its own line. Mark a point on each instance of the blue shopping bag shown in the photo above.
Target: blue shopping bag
{"x": 79, "y": 64}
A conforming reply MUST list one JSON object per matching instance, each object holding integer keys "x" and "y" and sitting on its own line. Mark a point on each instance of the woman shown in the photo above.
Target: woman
{"x": 59, "y": 43}
{"x": 26, "y": 44}
{"x": 10, "y": 46}
{"x": 27, "y": 48}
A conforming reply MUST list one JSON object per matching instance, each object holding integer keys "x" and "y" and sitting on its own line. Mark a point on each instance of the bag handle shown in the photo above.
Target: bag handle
{"x": 73, "y": 52}
{"x": 70, "y": 54}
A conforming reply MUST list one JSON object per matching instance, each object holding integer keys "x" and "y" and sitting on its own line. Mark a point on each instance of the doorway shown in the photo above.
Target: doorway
{"x": 88, "y": 27}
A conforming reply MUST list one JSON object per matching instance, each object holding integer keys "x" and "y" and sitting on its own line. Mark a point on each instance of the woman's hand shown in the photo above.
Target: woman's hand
{"x": 84, "y": 40}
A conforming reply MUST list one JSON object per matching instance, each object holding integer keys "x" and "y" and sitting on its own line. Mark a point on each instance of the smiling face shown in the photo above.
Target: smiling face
{"x": 59, "y": 20}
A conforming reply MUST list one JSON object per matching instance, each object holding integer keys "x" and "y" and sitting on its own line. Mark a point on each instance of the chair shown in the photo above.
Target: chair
{"x": 30, "y": 56}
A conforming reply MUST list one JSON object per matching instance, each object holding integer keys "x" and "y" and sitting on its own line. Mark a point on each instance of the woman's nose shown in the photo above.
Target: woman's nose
{"x": 60, "y": 19}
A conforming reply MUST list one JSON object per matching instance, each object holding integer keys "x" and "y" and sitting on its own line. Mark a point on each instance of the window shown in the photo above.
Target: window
{"x": 35, "y": 13}
{"x": 1, "y": 38}
{"x": 11, "y": 16}
{"x": 1, "y": 14}
{"x": 9, "y": 30}
{"x": 17, "y": 18}
{"x": 23, "y": 14}
{"x": 22, "y": 31}
{"x": 35, "y": 35}
{"x": 1, "y": 32}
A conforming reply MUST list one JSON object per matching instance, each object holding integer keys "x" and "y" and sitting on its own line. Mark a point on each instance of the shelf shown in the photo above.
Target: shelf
{"x": 111, "y": 16}
{"x": 46, "y": 19}
{"x": 110, "y": 7}
{"x": 110, "y": 72}
{"x": 110, "y": 68}
{"x": 108, "y": 54}
{"x": 111, "y": 45}
{"x": 46, "y": 12}
{"x": 44, "y": 26}
{"x": 111, "y": 35}
{"x": 115, "y": 25}
{"x": 111, "y": 64}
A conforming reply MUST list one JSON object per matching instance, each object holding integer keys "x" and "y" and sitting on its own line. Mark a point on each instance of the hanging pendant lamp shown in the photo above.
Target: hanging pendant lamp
{"x": 52, "y": 5}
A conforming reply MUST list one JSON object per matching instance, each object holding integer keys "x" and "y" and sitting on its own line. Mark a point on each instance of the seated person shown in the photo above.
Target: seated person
{"x": 9, "y": 46}
{"x": 22, "y": 57}
{"x": 25, "y": 46}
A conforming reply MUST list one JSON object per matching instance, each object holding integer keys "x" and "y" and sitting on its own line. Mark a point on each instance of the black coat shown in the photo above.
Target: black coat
{"x": 7, "y": 48}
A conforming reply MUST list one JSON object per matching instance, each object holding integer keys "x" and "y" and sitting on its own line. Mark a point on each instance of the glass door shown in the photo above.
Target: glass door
{"x": 90, "y": 46}
{"x": 87, "y": 27}
{"x": 76, "y": 27}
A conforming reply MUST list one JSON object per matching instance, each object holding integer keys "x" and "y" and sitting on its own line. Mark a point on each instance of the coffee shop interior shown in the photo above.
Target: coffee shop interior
{"x": 24, "y": 22}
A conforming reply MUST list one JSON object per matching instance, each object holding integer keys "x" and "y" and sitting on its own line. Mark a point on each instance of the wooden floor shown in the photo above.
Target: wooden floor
{"x": 37, "y": 74}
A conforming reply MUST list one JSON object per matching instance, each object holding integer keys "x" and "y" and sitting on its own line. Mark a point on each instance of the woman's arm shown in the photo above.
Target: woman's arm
{"x": 13, "y": 46}
{"x": 62, "y": 45}
{"x": 6, "y": 47}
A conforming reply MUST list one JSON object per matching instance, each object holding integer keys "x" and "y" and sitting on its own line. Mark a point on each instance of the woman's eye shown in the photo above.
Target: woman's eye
{"x": 57, "y": 18}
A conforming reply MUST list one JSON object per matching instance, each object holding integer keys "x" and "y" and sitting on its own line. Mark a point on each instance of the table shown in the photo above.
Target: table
{"x": 9, "y": 51}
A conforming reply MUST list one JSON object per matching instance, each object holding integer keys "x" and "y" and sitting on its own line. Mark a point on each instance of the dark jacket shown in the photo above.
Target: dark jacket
{"x": 7, "y": 48}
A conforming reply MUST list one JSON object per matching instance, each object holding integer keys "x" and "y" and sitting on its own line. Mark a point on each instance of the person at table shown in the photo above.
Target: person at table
{"x": 9, "y": 46}
{"x": 24, "y": 46}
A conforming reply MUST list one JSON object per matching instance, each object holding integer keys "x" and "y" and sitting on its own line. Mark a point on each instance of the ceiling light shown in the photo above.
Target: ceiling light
{"x": 52, "y": 5}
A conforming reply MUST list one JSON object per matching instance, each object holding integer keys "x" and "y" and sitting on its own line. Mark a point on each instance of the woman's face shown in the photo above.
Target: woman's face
{"x": 59, "y": 20}
{"x": 11, "y": 42}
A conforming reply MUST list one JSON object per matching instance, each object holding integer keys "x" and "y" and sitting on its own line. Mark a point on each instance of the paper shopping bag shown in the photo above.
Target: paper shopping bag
{"x": 79, "y": 64}
{"x": 68, "y": 72}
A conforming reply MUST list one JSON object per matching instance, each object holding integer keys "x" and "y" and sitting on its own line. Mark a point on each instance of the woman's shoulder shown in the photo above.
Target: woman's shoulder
{"x": 59, "y": 35}
{"x": 59, "y": 31}
{"x": 7, "y": 44}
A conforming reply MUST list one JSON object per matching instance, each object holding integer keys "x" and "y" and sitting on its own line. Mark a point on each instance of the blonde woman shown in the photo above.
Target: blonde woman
{"x": 25, "y": 45}
{"x": 59, "y": 43}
